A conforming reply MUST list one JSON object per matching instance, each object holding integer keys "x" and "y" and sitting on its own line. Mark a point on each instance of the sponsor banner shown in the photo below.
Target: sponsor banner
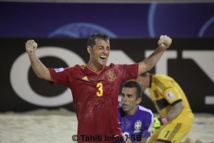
{"x": 189, "y": 61}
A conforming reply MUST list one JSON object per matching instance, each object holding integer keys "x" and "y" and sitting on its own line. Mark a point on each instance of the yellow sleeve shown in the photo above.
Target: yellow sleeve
{"x": 171, "y": 95}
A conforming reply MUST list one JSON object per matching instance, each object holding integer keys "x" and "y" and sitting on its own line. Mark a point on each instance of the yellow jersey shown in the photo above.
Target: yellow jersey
{"x": 165, "y": 92}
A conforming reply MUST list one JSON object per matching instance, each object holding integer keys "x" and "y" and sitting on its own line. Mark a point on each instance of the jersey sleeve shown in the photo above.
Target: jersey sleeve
{"x": 171, "y": 95}
{"x": 130, "y": 71}
{"x": 60, "y": 75}
{"x": 147, "y": 130}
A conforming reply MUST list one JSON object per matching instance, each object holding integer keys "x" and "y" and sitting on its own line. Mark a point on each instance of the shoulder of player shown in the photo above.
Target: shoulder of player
{"x": 162, "y": 81}
{"x": 144, "y": 110}
{"x": 162, "y": 77}
{"x": 76, "y": 67}
{"x": 113, "y": 64}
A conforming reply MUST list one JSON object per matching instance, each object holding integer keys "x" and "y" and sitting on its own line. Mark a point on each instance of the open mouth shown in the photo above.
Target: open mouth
{"x": 103, "y": 57}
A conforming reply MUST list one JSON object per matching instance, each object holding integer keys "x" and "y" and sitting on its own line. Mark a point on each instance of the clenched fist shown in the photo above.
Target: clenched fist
{"x": 164, "y": 41}
{"x": 30, "y": 46}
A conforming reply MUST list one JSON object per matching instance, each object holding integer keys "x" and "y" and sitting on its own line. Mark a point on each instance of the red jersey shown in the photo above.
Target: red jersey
{"x": 95, "y": 96}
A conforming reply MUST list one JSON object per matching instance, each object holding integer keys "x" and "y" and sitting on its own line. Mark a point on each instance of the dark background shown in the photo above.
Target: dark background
{"x": 195, "y": 83}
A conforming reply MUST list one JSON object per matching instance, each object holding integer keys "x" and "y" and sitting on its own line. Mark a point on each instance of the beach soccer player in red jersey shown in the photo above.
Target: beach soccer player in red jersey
{"x": 95, "y": 86}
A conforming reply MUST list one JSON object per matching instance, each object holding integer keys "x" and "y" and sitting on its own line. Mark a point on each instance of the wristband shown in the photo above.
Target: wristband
{"x": 163, "y": 120}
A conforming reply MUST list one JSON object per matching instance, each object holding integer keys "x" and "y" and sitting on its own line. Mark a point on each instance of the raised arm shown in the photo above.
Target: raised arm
{"x": 40, "y": 70}
{"x": 148, "y": 63}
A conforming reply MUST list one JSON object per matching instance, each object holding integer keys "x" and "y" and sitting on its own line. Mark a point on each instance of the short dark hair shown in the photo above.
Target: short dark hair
{"x": 93, "y": 37}
{"x": 134, "y": 84}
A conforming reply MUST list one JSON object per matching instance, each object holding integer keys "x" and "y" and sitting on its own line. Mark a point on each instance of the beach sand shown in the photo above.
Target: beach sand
{"x": 60, "y": 126}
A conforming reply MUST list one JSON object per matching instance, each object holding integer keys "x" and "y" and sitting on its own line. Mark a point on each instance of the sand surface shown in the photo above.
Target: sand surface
{"x": 59, "y": 126}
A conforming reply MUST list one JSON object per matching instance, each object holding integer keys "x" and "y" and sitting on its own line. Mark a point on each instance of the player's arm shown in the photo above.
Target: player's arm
{"x": 148, "y": 63}
{"x": 175, "y": 110}
{"x": 40, "y": 70}
{"x": 174, "y": 98}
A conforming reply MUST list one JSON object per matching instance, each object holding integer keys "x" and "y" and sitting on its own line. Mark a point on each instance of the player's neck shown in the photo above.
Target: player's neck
{"x": 95, "y": 67}
{"x": 133, "y": 111}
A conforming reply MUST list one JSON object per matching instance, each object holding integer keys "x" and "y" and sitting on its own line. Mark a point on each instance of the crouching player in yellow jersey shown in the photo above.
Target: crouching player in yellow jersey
{"x": 172, "y": 105}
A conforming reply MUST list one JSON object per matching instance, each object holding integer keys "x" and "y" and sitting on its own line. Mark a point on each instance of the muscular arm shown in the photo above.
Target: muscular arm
{"x": 175, "y": 111}
{"x": 40, "y": 70}
{"x": 147, "y": 64}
